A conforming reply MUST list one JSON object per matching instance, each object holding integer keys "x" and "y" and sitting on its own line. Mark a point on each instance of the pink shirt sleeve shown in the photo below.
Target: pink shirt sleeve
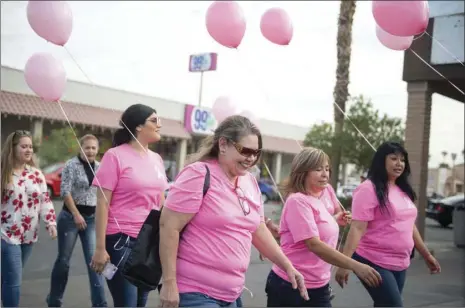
{"x": 107, "y": 174}
{"x": 186, "y": 193}
{"x": 364, "y": 202}
{"x": 300, "y": 219}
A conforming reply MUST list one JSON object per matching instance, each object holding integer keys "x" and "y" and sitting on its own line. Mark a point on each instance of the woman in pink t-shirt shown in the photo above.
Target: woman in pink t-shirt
{"x": 131, "y": 181}
{"x": 383, "y": 233}
{"x": 309, "y": 235}
{"x": 206, "y": 266}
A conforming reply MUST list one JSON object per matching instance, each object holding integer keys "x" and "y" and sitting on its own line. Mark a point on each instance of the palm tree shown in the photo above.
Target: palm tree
{"x": 444, "y": 154}
{"x": 341, "y": 89}
{"x": 454, "y": 157}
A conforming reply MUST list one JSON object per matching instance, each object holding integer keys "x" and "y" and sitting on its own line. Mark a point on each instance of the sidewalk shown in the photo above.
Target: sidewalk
{"x": 421, "y": 290}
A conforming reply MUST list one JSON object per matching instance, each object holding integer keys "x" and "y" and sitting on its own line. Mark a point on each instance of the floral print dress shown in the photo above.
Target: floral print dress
{"x": 24, "y": 203}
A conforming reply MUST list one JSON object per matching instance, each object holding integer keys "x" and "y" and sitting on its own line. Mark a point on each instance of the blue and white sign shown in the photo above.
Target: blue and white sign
{"x": 198, "y": 120}
{"x": 203, "y": 62}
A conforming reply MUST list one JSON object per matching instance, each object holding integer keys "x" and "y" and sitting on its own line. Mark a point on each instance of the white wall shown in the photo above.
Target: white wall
{"x": 12, "y": 80}
{"x": 445, "y": 8}
{"x": 448, "y": 31}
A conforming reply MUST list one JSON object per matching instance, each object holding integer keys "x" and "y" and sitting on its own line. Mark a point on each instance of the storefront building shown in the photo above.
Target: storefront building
{"x": 97, "y": 110}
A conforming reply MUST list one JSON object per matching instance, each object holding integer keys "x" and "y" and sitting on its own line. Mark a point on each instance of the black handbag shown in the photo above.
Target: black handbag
{"x": 143, "y": 267}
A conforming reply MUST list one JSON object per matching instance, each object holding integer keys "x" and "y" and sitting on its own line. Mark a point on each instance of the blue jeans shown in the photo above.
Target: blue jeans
{"x": 195, "y": 299}
{"x": 14, "y": 258}
{"x": 67, "y": 237}
{"x": 389, "y": 293}
{"x": 124, "y": 293}
{"x": 281, "y": 294}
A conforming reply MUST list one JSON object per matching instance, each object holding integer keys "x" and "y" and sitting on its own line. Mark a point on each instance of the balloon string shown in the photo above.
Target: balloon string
{"x": 274, "y": 182}
{"x": 251, "y": 73}
{"x": 94, "y": 85}
{"x": 444, "y": 48}
{"x": 87, "y": 160}
{"x": 419, "y": 37}
{"x": 451, "y": 83}
{"x": 79, "y": 144}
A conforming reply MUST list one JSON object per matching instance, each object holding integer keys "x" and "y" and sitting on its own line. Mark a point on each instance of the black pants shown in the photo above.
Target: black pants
{"x": 281, "y": 294}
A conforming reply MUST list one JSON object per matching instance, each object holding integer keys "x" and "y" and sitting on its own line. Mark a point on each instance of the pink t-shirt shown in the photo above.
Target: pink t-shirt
{"x": 388, "y": 240}
{"x": 137, "y": 181}
{"x": 214, "y": 250}
{"x": 305, "y": 217}
{"x": 330, "y": 199}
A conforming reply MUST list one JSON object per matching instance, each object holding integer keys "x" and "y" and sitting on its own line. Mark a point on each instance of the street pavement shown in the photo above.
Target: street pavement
{"x": 421, "y": 289}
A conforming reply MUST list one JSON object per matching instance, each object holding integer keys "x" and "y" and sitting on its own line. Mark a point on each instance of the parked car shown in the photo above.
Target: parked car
{"x": 268, "y": 190}
{"x": 441, "y": 209}
{"x": 345, "y": 191}
{"x": 52, "y": 175}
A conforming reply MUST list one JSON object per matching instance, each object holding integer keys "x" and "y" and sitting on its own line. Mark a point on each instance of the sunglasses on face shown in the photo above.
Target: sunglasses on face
{"x": 244, "y": 151}
{"x": 22, "y": 133}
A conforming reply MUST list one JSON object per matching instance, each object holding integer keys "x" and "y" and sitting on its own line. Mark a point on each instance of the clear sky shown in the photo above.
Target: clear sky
{"x": 144, "y": 47}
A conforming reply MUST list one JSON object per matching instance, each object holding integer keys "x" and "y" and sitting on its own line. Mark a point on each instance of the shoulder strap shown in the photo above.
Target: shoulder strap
{"x": 206, "y": 184}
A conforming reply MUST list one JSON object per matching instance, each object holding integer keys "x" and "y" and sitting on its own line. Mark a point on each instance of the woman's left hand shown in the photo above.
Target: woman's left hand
{"x": 52, "y": 231}
{"x": 343, "y": 218}
{"x": 433, "y": 264}
{"x": 298, "y": 282}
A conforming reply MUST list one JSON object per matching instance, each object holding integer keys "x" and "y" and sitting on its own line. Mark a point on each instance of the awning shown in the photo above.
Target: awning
{"x": 281, "y": 145}
{"x": 33, "y": 106}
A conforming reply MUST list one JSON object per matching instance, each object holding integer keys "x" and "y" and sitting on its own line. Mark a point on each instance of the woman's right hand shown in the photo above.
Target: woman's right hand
{"x": 342, "y": 276}
{"x": 169, "y": 294}
{"x": 368, "y": 275}
{"x": 99, "y": 259}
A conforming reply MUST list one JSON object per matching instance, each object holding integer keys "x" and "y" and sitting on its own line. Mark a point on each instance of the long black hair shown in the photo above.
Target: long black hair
{"x": 132, "y": 117}
{"x": 377, "y": 173}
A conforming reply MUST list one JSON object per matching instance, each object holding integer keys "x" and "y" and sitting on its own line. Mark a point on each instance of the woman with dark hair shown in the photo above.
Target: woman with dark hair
{"x": 131, "y": 181}
{"x": 206, "y": 267}
{"x": 383, "y": 232}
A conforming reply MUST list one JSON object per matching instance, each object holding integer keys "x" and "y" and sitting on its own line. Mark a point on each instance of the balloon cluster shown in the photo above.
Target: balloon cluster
{"x": 226, "y": 24}
{"x": 52, "y": 21}
{"x": 399, "y": 21}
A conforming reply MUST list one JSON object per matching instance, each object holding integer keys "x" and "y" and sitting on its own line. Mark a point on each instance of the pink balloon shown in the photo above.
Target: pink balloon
{"x": 223, "y": 107}
{"x": 401, "y": 18}
{"x": 46, "y": 76}
{"x": 226, "y": 23}
{"x": 276, "y": 26}
{"x": 393, "y": 42}
{"x": 250, "y": 115}
{"x": 51, "y": 20}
